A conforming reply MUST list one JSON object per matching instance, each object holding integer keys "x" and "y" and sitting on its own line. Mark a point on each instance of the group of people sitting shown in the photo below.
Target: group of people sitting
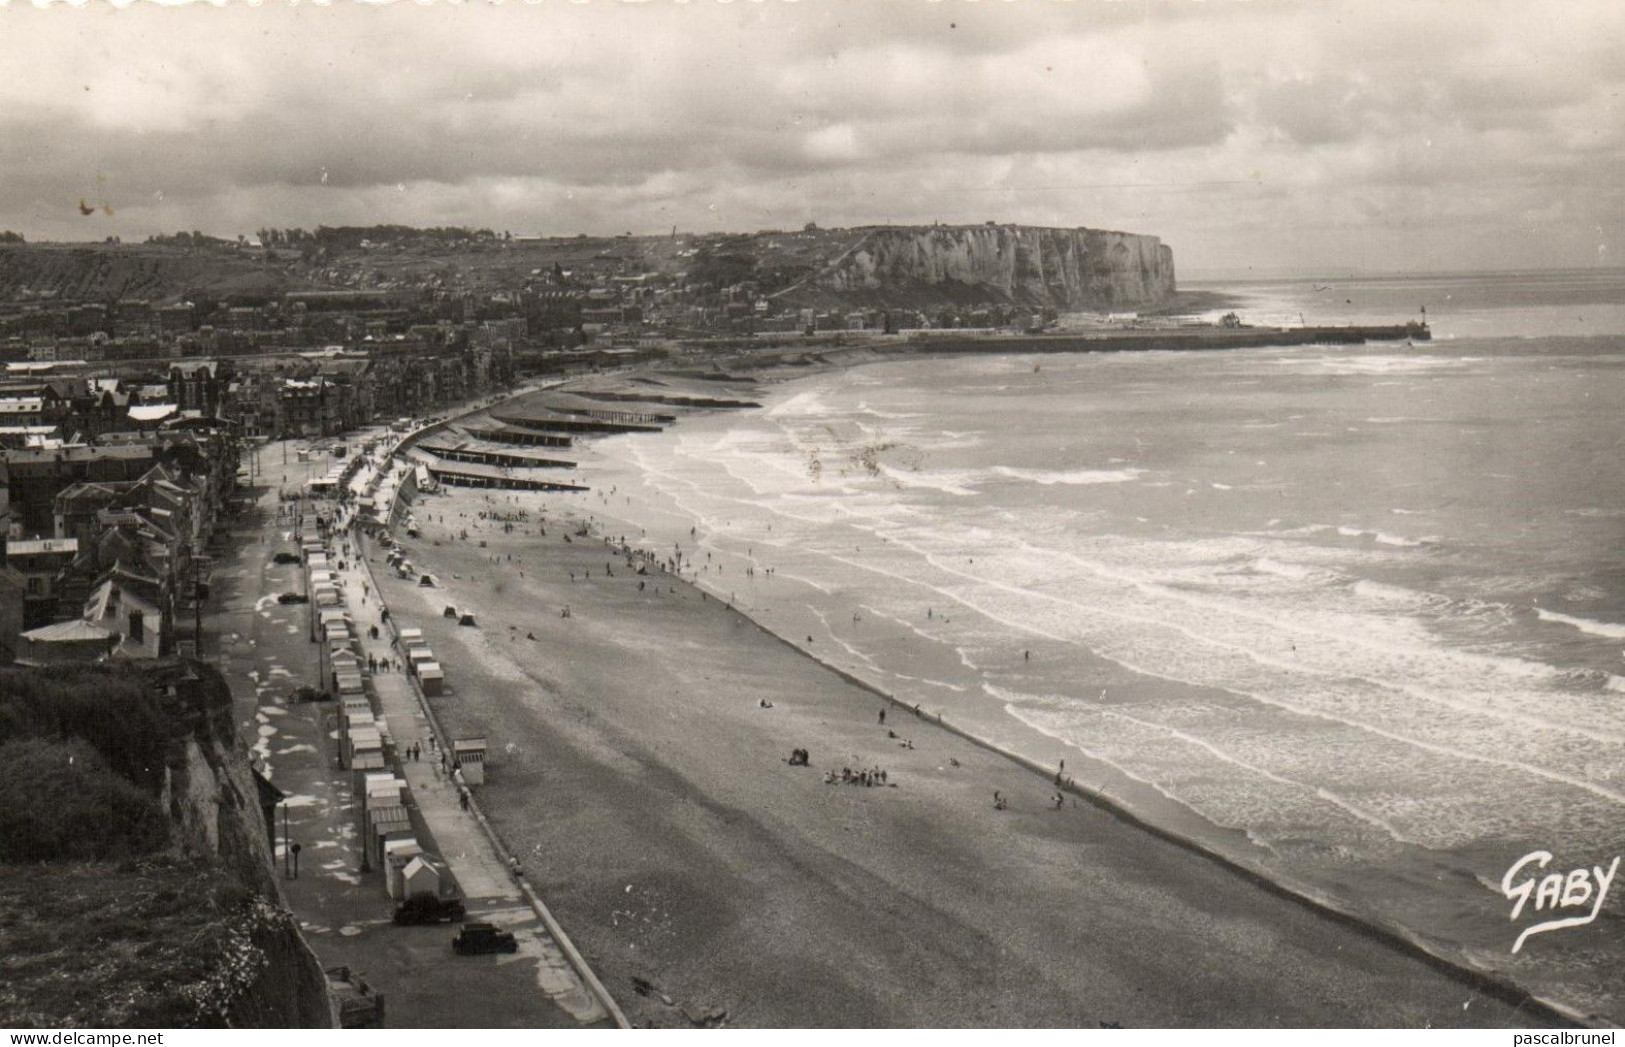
{"x": 848, "y": 776}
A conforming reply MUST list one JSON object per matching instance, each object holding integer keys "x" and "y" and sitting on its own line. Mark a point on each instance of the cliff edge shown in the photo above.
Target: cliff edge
{"x": 1064, "y": 269}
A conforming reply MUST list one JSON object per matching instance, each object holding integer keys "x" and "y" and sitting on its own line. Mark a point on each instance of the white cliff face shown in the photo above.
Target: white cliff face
{"x": 1064, "y": 268}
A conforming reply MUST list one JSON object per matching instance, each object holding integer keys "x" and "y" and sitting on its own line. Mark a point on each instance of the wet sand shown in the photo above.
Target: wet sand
{"x": 634, "y": 768}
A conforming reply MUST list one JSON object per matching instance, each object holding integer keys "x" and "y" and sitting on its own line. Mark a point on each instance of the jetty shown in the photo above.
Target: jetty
{"x": 1168, "y": 339}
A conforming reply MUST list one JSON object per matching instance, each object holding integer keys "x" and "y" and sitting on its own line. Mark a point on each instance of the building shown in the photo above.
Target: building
{"x": 35, "y": 476}
{"x": 134, "y": 606}
{"x": 40, "y": 563}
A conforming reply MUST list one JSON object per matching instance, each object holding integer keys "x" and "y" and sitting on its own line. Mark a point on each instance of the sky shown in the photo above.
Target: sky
{"x": 1252, "y": 136}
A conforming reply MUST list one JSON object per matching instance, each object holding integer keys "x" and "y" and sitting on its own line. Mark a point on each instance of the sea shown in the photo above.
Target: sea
{"x": 1352, "y": 617}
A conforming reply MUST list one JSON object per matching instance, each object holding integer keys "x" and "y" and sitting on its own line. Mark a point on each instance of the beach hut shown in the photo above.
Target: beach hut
{"x": 410, "y": 636}
{"x": 449, "y": 612}
{"x": 468, "y": 756}
{"x": 384, "y": 790}
{"x": 467, "y": 619}
{"x": 398, "y": 853}
{"x": 366, "y": 747}
{"x": 432, "y": 679}
{"x": 427, "y": 581}
{"x": 385, "y": 824}
{"x": 427, "y": 874}
{"x": 416, "y": 657}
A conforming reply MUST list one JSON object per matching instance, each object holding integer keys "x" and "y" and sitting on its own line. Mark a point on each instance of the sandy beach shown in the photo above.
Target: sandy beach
{"x": 708, "y": 881}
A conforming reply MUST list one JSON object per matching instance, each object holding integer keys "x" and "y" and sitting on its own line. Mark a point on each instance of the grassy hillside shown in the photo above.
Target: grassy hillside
{"x": 115, "y": 911}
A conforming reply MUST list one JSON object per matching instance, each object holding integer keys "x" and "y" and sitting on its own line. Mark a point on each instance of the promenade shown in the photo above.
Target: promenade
{"x": 342, "y": 907}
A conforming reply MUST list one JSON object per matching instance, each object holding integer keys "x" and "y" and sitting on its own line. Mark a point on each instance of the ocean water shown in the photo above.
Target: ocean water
{"x": 1352, "y": 616}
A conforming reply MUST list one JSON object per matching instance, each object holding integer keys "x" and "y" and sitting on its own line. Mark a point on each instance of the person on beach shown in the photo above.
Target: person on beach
{"x": 998, "y": 801}
{"x": 882, "y": 717}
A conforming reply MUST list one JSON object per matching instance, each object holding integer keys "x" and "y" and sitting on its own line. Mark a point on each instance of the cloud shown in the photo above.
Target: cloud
{"x": 1232, "y": 130}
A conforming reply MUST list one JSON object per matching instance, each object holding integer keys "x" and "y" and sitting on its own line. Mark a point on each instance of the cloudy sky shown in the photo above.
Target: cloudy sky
{"x": 1317, "y": 136}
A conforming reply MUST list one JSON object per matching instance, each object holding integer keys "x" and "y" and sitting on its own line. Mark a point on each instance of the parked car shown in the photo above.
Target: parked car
{"x": 287, "y": 557}
{"x": 478, "y": 937}
{"x": 293, "y": 598}
{"x": 426, "y": 908}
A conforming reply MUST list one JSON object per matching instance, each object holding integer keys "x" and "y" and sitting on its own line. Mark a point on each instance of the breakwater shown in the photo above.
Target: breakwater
{"x": 1182, "y": 339}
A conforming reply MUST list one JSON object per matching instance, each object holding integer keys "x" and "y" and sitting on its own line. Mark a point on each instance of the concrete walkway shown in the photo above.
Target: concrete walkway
{"x": 490, "y": 891}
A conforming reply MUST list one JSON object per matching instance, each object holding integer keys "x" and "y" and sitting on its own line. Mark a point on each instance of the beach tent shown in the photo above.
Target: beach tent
{"x": 449, "y": 612}
{"x": 427, "y": 581}
{"x": 467, "y": 619}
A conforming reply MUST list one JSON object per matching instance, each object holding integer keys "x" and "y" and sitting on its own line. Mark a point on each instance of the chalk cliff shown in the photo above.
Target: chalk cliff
{"x": 1067, "y": 269}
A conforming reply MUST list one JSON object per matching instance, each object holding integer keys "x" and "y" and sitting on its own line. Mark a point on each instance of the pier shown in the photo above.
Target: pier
{"x": 1175, "y": 339}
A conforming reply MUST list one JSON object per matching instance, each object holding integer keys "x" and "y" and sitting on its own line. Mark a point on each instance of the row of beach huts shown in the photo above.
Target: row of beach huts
{"x": 390, "y": 841}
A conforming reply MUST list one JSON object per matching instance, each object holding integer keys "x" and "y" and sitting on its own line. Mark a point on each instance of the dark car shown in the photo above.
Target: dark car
{"x": 426, "y": 908}
{"x": 477, "y": 938}
{"x": 293, "y": 598}
{"x": 287, "y": 557}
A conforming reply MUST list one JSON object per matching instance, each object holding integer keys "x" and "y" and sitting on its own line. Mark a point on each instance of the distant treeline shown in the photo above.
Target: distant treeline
{"x": 9, "y": 237}
{"x": 351, "y": 236}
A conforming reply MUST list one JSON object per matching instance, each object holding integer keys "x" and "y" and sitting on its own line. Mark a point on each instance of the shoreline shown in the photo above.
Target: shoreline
{"x": 1390, "y": 936}
{"x": 1144, "y": 815}
{"x": 615, "y": 790}
{"x": 1389, "y": 933}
